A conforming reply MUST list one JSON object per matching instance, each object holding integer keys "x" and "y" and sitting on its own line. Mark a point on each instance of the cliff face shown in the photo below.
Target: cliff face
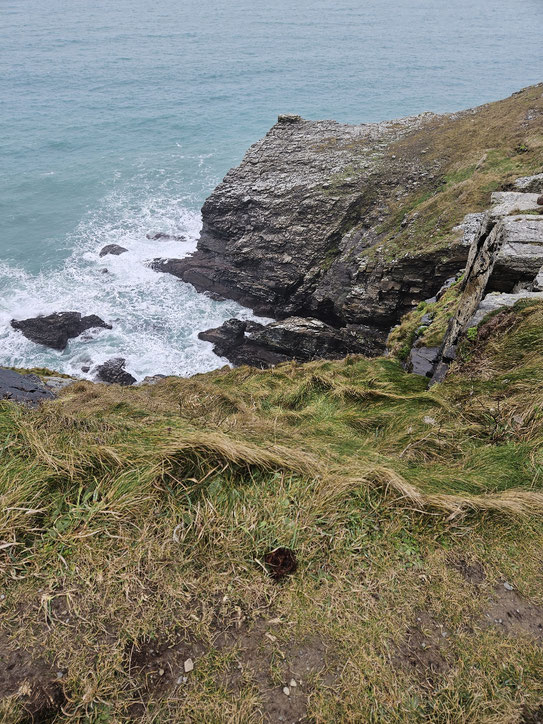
{"x": 353, "y": 225}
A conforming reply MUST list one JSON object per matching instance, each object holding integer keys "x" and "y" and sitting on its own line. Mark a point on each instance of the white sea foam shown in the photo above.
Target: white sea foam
{"x": 155, "y": 317}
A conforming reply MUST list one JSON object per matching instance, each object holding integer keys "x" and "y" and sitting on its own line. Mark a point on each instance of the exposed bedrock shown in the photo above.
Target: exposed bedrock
{"x": 28, "y": 389}
{"x": 288, "y": 232}
{"x": 54, "y": 330}
{"x": 296, "y": 338}
{"x": 113, "y": 372}
{"x": 355, "y": 224}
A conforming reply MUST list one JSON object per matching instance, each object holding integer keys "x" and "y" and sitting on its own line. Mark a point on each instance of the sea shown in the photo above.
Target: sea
{"x": 117, "y": 119}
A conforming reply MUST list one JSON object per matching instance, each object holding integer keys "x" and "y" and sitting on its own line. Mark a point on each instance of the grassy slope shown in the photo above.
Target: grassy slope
{"x": 133, "y": 520}
{"x": 469, "y": 155}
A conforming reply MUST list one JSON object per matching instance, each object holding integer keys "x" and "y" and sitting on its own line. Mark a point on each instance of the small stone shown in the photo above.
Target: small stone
{"x": 286, "y": 691}
{"x": 189, "y": 666}
{"x": 161, "y": 672}
{"x": 507, "y": 586}
{"x": 293, "y": 683}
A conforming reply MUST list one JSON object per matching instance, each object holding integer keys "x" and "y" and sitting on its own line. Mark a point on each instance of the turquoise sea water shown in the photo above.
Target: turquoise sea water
{"x": 117, "y": 119}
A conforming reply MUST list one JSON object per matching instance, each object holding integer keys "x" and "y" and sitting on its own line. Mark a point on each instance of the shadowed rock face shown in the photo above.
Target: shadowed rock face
{"x": 54, "y": 330}
{"x": 283, "y": 231}
{"x": 296, "y": 338}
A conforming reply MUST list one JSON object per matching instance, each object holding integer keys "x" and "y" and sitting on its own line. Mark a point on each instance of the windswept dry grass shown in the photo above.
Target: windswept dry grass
{"x": 138, "y": 519}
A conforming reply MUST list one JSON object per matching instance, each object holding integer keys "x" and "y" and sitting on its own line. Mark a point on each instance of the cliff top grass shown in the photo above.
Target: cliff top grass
{"x": 457, "y": 160}
{"x": 135, "y": 524}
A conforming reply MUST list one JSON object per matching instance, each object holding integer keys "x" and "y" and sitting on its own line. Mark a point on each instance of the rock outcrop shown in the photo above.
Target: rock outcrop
{"x": 284, "y": 231}
{"x": 504, "y": 265}
{"x": 54, "y": 330}
{"x": 353, "y": 224}
{"x": 113, "y": 249}
{"x": 296, "y": 338}
{"x": 28, "y": 389}
{"x": 113, "y": 372}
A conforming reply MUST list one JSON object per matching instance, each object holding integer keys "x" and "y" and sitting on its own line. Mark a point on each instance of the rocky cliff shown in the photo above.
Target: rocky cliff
{"x": 355, "y": 224}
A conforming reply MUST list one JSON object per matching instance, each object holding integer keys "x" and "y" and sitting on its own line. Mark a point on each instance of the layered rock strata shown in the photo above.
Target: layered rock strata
{"x": 505, "y": 264}
{"x": 283, "y": 232}
{"x": 296, "y": 338}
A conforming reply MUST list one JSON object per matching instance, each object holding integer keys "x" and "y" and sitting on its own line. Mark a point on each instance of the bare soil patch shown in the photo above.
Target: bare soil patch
{"x": 514, "y": 614}
{"x": 423, "y": 651}
{"x": 34, "y": 682}
{"x": 472, "y": 572}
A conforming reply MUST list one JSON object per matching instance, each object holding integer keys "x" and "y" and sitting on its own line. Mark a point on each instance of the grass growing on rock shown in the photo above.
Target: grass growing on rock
{"x": 134, "y": 524}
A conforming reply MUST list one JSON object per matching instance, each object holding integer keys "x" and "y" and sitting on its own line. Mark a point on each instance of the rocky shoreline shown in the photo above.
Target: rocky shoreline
{"x": 326, "y": 228}
{"x": 339, "y": 231}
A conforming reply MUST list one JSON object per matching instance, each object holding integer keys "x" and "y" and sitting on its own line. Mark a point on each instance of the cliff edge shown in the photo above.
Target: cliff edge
{"x": 353, "y": 225}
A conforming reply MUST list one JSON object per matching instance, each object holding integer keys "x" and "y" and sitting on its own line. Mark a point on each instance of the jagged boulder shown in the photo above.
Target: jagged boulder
{"x": 520, "y": 256}
{"x": 113, "y": 372}
{"x": 296, "y": 338}
{"x": 54, "y": 330}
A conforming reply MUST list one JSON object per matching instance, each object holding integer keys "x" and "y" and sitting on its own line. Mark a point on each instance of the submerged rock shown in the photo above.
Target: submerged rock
{"x": 113, "y": 249}
{"x": 54, "y": 330}
{"x": 23, "y": 388}
{"x": 161, "y": 236}
{"x": 113, "y": 372}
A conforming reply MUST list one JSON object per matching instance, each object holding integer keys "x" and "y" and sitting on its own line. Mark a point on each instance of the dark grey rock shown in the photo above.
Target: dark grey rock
{"x": 295, "y": 338}
{"x": 23, "y": 388}
{"x": 54, "y": 330}
{"x": 113, "y": 372}
{"x": 114, "y": 249}
{"x": 421, "y": 360}
{"x": 161, "y": 236}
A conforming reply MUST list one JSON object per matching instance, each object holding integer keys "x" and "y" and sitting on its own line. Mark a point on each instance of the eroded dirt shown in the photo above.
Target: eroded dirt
{"x": 423, "y": 651}
{"x": 283, "y": 676}
{"x": 471, "y": 571}
{"x": 35, "y": 683}
{"x": 514, "y": 615}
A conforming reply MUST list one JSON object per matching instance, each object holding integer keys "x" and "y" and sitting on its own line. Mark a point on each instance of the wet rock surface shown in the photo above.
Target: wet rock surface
{"x": 23, "y": 388}
{"x": 113, "y": 372}
{"x": 162, "y": 236}
{"x": 296, "y": 338}
{"x": 113, "y": 249}
{"x": 54, "y": 330}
